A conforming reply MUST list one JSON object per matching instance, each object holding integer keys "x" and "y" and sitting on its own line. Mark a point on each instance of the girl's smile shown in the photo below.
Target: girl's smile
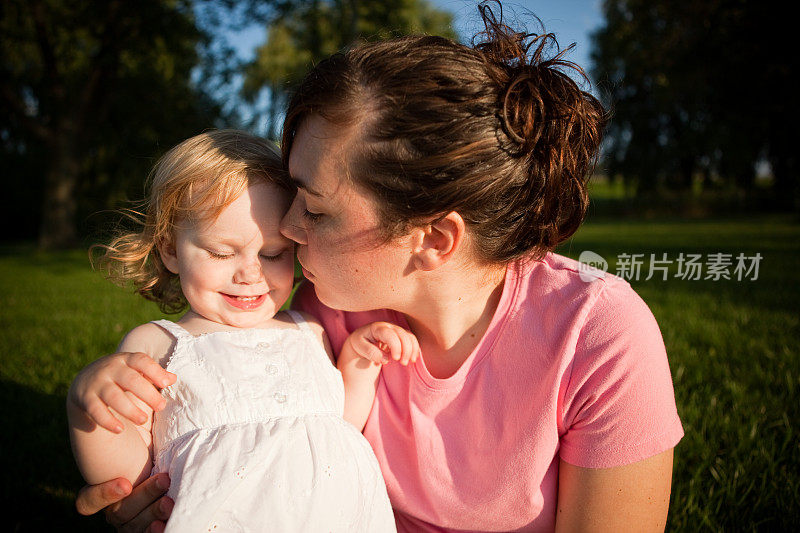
{"x": 245, "y": 302}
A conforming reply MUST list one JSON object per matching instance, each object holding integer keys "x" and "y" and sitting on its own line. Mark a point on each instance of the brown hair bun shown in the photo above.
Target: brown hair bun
{"x": 496, "y": 131}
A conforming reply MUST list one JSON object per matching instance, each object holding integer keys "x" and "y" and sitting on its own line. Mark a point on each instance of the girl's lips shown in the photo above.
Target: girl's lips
{"x": 246, "y": 303}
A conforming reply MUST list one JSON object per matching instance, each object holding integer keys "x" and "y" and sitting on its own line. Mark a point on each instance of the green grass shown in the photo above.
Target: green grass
{"x": 733, "y": 349}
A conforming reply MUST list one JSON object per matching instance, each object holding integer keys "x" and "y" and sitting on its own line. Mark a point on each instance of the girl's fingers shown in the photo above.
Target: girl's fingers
{"x": 367, "y": 350}
{"x": 145, "y": 365}
{"x": 386, "y": 334}
{"x": 417, "y": 350}
{"x": 143, "y": 506}
{"x": 102, "y": 416}
{"x": 407, "y": 346}
{"x": 94, "y": 498}
{"x": 115, "y": 398}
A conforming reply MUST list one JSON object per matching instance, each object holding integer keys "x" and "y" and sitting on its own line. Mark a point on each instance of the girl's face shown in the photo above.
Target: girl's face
{"x": 236, "y": 270}
{"x": 337, "y": 229}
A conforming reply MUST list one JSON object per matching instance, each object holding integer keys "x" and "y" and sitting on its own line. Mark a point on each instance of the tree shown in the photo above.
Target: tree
{"x": 84, "y": 86}
{"x": 306, "y": 32}
{"x": 696, "y": 87}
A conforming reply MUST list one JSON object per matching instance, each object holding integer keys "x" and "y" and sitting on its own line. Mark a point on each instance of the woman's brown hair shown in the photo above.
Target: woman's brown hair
{"x": 497, "y": 132}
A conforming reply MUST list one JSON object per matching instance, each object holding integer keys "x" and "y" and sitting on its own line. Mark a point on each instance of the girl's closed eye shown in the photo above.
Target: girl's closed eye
{"x": 219, "y": 255}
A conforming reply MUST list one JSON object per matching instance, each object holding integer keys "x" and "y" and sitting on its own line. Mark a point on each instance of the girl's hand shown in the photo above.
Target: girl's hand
{"x": 382, "y": 342}
{"x": 107, "y": 382}
{"x": 141, "y": 508}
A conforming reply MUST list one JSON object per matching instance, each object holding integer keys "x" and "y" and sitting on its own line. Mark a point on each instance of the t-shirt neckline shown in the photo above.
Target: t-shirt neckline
{"x": 496, "y": 325}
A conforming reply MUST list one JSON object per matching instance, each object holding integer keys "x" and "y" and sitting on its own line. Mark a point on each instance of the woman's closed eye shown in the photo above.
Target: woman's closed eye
{"x": 273, "y": 257}
{"x": 312, "y": 217}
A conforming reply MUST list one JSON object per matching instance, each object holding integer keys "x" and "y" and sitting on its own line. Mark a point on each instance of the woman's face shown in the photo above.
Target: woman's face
{"x": 337, "y": 229}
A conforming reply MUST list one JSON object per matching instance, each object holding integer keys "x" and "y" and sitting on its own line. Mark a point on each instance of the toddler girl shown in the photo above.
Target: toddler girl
{"x": 252, "y": 432}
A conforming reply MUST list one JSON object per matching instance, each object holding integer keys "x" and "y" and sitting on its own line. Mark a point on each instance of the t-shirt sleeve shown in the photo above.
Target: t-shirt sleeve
{"x": 618, "y": 405}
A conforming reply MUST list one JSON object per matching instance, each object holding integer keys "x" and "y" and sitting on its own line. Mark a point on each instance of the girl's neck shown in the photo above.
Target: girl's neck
{"x": 452, "y": 313}
{"x": 197, "y": 324}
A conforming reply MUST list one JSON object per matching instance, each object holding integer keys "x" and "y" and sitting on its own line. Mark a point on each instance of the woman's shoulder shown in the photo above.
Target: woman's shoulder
{"x": 557, "y": 272}
{"x": 575, "y": 295}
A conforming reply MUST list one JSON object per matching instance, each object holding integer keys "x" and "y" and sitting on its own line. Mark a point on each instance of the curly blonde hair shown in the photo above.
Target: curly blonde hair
{"x": 194, "y": 181}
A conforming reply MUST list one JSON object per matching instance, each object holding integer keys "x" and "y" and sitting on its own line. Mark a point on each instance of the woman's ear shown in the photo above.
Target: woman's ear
{"x": 166, "y": 250}
{"x": 437, "y": 242}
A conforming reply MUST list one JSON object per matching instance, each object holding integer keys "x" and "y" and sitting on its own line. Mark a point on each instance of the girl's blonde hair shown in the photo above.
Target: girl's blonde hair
{"x": 194, "y": 181}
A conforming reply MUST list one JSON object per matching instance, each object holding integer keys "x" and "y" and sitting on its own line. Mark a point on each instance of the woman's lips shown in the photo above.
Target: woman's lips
{"x": 246, "y": 303}
{"x": 309, "y": 276}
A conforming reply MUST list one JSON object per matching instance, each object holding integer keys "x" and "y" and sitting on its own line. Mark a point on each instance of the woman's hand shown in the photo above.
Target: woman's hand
{"x": 104, "y": 384}
{"x": 131, "y": 509}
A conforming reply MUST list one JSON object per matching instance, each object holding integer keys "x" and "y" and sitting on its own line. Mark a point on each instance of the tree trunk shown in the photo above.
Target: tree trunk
{"x": 58, "y": 227}
{"x": 274, "y": 110}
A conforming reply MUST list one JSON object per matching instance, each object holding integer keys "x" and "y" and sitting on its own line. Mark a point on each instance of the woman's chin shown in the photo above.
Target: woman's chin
{"x": 340, "y": 302}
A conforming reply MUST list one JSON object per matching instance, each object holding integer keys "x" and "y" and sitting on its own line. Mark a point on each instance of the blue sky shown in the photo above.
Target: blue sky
{"x": 572, "y": 21}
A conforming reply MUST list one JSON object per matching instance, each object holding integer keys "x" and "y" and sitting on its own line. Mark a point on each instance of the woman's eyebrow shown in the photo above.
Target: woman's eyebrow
{"x": 300, "y": 185}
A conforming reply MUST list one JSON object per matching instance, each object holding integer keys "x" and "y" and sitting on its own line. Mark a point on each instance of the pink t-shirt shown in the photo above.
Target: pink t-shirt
{"x": 568, "y": 369}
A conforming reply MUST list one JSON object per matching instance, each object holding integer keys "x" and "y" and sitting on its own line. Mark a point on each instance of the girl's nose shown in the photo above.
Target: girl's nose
{"x": 247, "y": 273}
{"x": 292, "y": 226}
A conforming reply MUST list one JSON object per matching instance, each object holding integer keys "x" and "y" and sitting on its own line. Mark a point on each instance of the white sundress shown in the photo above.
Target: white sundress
{"x": 253, "y": 437}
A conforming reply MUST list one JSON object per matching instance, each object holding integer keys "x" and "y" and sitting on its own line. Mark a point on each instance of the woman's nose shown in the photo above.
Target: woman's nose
{"x": 292, "y": 226}
{"x": 248, "y": 272}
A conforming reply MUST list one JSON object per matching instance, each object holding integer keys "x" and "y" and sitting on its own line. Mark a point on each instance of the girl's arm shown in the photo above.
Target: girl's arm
{"x": 360, "y": 360}
{"x": 110, "y": 406}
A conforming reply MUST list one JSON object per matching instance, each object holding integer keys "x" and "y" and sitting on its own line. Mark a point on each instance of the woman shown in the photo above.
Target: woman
{"x": 434, "y": 179}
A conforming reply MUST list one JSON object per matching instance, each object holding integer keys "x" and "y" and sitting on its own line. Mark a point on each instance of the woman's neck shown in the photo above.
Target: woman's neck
{"x": 451, "y": 313}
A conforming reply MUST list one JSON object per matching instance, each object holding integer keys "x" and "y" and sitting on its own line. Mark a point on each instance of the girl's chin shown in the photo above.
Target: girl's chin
{"x": 247, "y": 324}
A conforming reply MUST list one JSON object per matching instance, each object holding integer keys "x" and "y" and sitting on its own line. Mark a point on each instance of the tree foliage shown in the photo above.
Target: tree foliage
{"x": 305, "y": 32}
{"x": 697, "y": 89}
{"x": 88, "y": 88}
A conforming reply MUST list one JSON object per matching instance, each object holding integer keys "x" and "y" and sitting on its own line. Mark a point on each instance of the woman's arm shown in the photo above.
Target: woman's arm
{"x": 110, "y": 406}
{"x": 633, "y": 497}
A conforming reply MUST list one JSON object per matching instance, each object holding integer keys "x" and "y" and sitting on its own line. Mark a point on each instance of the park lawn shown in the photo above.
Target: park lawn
{"x": 733, "y": 346}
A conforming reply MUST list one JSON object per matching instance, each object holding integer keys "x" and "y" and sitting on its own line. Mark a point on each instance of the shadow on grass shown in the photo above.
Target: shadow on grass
{"x": 39, "y": 475}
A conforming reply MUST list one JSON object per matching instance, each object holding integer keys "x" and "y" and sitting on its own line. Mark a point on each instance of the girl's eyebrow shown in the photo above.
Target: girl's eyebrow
{"x": 300, "y": 185}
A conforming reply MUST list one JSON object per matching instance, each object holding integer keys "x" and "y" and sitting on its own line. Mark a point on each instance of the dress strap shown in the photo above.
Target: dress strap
{"x": 299, "y": 320}
{"x": 177, "y": 331}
